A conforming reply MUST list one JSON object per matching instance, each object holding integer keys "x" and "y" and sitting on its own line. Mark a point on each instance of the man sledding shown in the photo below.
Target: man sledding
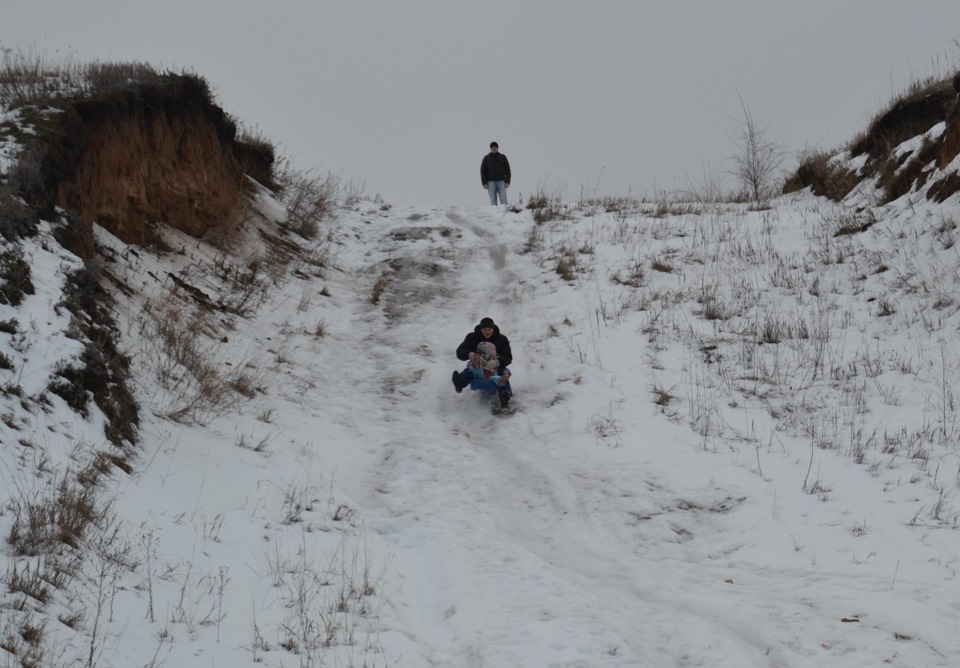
{"x": 487, "y": 353}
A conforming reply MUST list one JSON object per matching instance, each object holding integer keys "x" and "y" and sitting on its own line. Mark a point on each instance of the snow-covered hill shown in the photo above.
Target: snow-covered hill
{"x": 735, "y": 444}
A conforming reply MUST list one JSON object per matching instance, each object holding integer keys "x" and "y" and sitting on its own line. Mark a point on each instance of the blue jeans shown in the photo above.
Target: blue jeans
{"x": 497, "y": 188}
{"x": 482, "y": 385}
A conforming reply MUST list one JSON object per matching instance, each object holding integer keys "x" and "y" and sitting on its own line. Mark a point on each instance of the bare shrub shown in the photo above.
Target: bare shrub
{"x": 757, "y": 157}
{"x": 309, "y": 198}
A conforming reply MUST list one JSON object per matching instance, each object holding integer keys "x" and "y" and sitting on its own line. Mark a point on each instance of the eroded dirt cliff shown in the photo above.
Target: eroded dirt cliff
{"x": 147, "y": 154}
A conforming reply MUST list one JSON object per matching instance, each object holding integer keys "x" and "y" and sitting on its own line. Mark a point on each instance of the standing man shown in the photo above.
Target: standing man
{"x": 495, "y": 174}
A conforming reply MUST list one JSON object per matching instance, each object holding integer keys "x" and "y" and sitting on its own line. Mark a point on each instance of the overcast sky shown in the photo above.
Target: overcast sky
{"x": 632, "y": 96}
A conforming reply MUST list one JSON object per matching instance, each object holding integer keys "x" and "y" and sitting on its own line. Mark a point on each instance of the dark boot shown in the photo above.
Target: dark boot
{"x": 458, "y": 383}
{"x": 504, "y": 399}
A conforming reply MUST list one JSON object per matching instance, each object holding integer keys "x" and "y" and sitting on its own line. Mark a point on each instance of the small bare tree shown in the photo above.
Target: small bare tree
{"x": 757, "y": 157}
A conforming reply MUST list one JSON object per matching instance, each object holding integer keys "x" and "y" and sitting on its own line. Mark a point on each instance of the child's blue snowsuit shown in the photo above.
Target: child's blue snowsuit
{"x": 486, "y": 380}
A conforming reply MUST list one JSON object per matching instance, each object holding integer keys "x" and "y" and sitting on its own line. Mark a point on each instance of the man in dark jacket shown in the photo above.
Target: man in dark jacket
{"x": 495, "y": 174}
{"x": 487, "y": 330}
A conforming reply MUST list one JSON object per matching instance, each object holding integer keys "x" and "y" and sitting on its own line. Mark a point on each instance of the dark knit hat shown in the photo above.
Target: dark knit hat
{"x": 494, "y": 144}
{"x": 486, "y": 322}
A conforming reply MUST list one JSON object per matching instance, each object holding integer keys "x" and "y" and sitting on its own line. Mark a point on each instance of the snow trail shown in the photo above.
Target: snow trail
{"x": 492, "y": 506}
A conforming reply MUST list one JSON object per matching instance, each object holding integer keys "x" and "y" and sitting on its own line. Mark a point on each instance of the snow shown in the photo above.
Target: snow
{"x": 746, "y": 457}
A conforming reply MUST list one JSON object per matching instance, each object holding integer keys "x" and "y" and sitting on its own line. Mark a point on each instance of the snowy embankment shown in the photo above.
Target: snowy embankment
{"x": 735, "y": 445}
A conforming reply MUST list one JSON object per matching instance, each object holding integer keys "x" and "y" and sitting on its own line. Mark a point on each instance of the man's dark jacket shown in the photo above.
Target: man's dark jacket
{"x": 475, "y": 338}
{"x": 494, "y": 167}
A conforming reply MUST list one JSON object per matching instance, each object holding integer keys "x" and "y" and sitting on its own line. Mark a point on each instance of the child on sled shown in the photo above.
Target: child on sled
{"x": 483, "y": 373}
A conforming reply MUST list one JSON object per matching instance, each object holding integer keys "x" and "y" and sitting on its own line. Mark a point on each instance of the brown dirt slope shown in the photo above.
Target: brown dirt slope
{"x": 140, "y": 155}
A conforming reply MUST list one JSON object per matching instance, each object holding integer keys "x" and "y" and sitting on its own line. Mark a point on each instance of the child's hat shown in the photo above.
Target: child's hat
{"x": 486, "y": 349}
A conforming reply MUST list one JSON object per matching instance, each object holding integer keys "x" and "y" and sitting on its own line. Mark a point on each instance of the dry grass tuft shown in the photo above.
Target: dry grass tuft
{"x": 566, "y": 265}
{"x": 823, "y": 176}
{"x": 546, "y": 208}
{"x": 661, "y": 396}
{"x": 62, "y": 516}
{"x": 197, "y": 384}
{"x": 661, "y": 266}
